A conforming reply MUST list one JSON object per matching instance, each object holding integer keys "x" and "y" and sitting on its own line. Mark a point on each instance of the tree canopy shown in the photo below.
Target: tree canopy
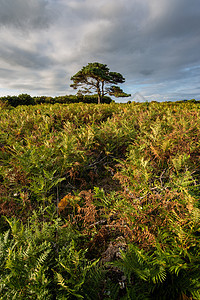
{"x": 96, "y": 76}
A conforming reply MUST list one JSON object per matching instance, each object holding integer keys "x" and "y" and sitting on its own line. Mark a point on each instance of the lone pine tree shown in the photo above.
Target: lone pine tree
{"x": 96, "y": 76}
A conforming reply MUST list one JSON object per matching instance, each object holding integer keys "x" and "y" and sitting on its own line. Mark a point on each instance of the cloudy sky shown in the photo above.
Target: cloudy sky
{"x": 154, "y": 44}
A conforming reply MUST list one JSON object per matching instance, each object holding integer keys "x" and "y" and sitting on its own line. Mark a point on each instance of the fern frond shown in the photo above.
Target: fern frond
{"x": 39, "y": 268}
{"x": 159, "y": 275}
{"x": 6, "y": 236}
{"x": 61, "y": 282}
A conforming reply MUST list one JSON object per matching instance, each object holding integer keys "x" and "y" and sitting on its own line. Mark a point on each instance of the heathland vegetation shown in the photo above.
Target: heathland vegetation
{"x": 100, "y": 201}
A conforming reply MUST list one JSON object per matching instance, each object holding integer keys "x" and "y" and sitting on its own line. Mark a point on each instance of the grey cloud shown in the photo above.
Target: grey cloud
{"x": 146, "y": 72}
{"x": 24, "y": 14}
{"x": 154, "y": 44}
{"x": 5, "y": 73}
{"x": 180, "y": 19}
{"x": 15, "y": 56}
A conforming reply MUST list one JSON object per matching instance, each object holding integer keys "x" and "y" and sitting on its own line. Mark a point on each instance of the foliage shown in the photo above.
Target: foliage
{"x": 40, "y": 260}
{"x": 171, "y": 273}
{"x": 95, "y": 76}
{"x": 24, "y": 99}
{"x": 101, "y": 202}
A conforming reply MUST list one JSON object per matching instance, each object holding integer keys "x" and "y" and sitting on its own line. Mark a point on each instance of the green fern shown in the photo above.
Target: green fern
{"x": 75, "y": 267}
{"x": 162, "y": 274}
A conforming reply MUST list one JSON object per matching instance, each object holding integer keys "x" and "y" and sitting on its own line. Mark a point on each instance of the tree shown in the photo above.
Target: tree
{"x": 97, "y": 76}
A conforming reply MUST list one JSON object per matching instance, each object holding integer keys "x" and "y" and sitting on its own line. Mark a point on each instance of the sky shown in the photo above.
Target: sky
{"x": 154, "y": 44}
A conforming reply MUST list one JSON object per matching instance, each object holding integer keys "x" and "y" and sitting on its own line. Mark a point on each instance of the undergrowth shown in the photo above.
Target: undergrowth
{"x": 100, "y": 201}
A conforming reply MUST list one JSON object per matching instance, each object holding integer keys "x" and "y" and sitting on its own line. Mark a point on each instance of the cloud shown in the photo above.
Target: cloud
{"x": 24, "y": 14}
{"x": 154, "y": 44}
{"x": 28, "y": 59}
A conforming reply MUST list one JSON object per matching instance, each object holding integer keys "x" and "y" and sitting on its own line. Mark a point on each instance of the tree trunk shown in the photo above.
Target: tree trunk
{"x": 99, "y": 98}
{"x": 99, "y": 93}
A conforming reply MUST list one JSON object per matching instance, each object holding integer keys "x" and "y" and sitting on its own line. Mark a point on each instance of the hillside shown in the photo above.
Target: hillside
{"x": 100, "y": 201}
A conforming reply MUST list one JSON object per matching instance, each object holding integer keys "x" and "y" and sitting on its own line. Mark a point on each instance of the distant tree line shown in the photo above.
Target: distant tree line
{"x": 25, "y": 99}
